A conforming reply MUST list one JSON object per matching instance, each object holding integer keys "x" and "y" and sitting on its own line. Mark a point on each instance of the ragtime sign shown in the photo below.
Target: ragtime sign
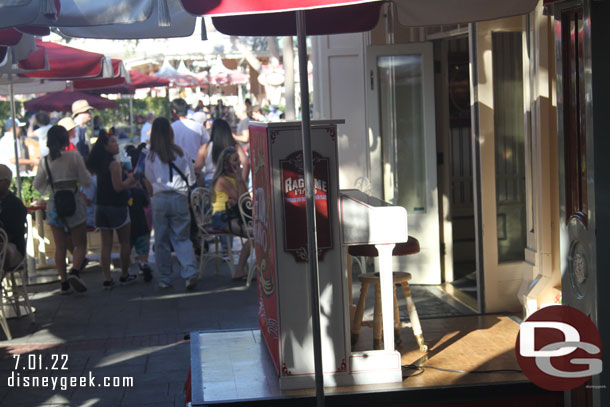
{"x": 294, "y": 201}
{"x": 559, "y": 348}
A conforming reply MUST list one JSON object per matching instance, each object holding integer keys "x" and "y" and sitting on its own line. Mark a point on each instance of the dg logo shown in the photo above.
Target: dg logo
{"x": 559, "y": 348}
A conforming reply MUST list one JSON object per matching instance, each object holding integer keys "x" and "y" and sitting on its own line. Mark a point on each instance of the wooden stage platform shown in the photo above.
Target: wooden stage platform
{"x": 234, "y": 368}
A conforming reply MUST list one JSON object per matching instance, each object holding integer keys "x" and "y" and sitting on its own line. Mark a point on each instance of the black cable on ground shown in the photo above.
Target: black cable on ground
{"x": 421, "y": 369}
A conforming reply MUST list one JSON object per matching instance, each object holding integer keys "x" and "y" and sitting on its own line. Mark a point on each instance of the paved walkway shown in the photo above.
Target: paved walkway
{"x": 134, "y": 331}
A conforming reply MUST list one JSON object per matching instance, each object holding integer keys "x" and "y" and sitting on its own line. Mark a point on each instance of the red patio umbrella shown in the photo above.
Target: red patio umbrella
{"x": 10, "y": 55}
{"x": 140, "y": 80}
{"x": 33, "y": 58}
{"x": 12, "y": 36}
{"x": 118, "y": 85}
{"x": 276, "y": 18}
{"x": 62, "y": 101}
{"x": 70, "y": 63}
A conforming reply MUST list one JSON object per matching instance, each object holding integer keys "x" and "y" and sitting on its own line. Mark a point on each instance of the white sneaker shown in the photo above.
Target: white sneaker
{"x": 164, "y": 285}
{"x": 191, "y": 283}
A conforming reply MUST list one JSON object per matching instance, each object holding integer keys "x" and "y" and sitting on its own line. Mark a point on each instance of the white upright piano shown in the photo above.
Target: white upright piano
{"x": 372, "y": 221}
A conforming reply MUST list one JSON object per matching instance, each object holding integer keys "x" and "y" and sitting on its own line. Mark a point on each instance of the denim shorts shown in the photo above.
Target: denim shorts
{"x": 219, "y": 221}
{"x": 77, "y": 218}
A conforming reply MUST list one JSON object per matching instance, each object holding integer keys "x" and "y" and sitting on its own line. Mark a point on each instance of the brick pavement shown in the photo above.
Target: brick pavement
{"x": 134, "y": 331}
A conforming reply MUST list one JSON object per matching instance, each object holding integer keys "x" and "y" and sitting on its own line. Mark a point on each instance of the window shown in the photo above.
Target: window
{"x": 574, "y": 115}
{"x": 509, "y": 145}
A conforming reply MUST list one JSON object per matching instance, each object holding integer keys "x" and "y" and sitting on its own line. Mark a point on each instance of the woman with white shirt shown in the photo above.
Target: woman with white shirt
{"x": 166, "y": 166}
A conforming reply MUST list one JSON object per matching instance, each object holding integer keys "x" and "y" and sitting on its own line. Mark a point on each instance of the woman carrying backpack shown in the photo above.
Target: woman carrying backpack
{"x": 59, "y": 174}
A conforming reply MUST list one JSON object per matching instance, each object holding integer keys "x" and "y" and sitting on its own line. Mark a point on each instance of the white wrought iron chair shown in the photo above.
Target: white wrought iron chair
{"x": 15, "y": 291}
{"x": 3, "y": 246}
{"x": 245, "y": 209}
{"x": 201, "y": 204}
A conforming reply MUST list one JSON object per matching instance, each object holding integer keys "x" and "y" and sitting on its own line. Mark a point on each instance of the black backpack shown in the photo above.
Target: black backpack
{"x": 65, "y": 202}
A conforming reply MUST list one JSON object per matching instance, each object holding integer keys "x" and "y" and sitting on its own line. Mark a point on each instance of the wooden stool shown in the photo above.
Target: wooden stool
{"x": 399, "y": 278}
{"x": 411, "y": 246}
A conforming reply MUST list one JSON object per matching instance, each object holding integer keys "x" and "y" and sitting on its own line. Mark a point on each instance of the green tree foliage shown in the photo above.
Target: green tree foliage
{"x": 119, "y": 116}
{"x": 28, "y": 193}
{"x": 5, "y": 110}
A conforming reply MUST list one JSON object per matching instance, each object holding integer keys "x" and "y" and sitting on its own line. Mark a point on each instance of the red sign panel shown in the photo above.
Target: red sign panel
{"x": 294, "y": 202}
{"x": 264, "y": 244}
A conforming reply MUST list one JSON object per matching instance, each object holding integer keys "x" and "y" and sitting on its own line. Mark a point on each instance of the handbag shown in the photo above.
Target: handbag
{"x": 65, "y": 202}
{"x": 194, "y": 235}
{"x": 232, "y": 212}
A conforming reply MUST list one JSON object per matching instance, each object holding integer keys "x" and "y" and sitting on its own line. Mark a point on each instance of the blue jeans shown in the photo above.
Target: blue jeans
{"x": 172, "y": 221}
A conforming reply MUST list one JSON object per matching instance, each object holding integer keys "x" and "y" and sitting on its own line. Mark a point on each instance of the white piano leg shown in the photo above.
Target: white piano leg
{"x": 386, "y": 282}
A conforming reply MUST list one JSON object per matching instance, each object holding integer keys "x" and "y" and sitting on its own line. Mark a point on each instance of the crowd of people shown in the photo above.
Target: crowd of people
{"x": 89, "y": 188}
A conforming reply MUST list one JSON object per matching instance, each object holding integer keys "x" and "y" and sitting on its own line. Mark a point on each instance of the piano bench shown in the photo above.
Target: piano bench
{"x": 411, "y": 246}
{"x": 402, "y": 279}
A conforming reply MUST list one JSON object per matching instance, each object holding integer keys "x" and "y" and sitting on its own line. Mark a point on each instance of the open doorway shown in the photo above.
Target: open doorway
{"x": 418, "y": 108}
{"x": 454, "y": 141}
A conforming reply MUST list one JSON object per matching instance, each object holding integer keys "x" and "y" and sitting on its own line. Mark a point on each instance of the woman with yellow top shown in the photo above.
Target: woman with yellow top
{"x": 229, "y": 185}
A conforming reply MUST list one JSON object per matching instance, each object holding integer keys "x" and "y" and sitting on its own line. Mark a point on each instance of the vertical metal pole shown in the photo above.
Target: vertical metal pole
{"x": 131, "y": 125}
{"x": 288, "y": 54}
{"x": 15, "y": 135}
{"x": 207, "y": 75}
{"x": 310, "y": 208}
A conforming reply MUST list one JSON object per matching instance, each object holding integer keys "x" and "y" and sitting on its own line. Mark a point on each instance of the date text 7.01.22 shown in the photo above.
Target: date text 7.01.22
{"x": 37, "y": 362}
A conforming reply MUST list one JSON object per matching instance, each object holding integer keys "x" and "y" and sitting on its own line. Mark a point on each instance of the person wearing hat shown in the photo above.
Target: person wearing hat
{"x": 68, "y": 124}
{"x": 81, "y": 114}
{"x": 12, "y": 220}
{"x": 7, "y": 149}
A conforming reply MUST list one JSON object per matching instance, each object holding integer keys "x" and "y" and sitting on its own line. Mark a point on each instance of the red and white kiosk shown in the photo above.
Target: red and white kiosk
{"x": 280, "y": 234}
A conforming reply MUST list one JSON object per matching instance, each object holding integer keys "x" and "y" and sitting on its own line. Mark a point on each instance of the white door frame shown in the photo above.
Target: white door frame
{"x": 498, "y": 282}
{"x": 425, "y": 266}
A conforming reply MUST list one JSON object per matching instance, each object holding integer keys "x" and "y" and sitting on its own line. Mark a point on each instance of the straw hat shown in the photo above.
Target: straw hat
{"x": 67, "y": 123}
{"x": 80, "y": 106}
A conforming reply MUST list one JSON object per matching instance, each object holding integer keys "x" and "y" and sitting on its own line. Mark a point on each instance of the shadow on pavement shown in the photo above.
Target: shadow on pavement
{"x": 126, "y": 347}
